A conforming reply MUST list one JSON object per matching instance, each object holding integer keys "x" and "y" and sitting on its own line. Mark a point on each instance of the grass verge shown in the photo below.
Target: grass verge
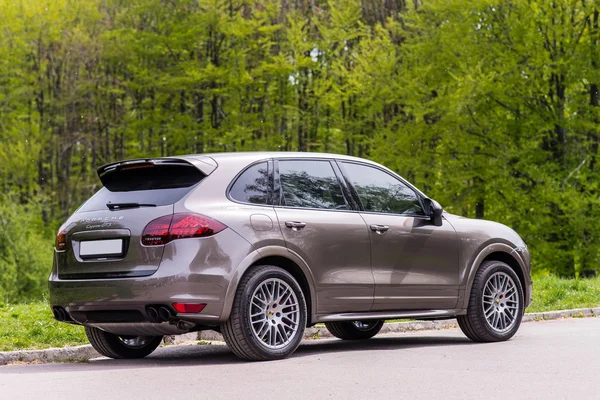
{"x": 32, "y": 326}
{"x": 552, "y": 293}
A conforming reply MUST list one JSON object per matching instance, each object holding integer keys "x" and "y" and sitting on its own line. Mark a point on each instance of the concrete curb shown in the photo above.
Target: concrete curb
{"x": 576, "y": 313}
{"x": 86, "y": 352}
{"x": 65, "y": 354}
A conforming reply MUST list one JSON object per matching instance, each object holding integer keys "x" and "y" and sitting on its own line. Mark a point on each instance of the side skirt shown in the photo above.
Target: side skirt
{"x": 383, "y": 315}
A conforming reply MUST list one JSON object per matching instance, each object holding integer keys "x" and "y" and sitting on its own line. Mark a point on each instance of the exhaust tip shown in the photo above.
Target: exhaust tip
{"x": 152, "y": 314}
{"x": 59, "y": 314}
{"x": 159, "y": 313}
{"x": 164, "y": 313}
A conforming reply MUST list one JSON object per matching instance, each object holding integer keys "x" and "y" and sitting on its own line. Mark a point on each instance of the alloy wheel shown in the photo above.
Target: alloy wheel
{"x": 274, "y": 313}
{"x": 500, "y": 302}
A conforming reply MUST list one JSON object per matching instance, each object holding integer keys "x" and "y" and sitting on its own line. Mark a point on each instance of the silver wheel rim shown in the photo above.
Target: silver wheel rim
{"x": 135, "y": 342}
{"x": 364, "y": 326}
{"x": 500, "y": 302}
{"x": 274, "y": 313}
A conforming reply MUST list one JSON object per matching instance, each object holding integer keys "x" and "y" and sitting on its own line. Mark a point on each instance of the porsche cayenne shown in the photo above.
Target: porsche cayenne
{"x": 259, "y": 246}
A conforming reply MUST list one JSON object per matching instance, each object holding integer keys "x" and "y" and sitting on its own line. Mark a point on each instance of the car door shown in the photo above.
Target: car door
{"x": 319, "y": 225}
{"x": 415, "y": 263}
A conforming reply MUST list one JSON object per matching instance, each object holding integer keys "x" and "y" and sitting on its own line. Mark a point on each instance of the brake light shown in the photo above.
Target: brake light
{"x": 179, "y": 226}
{"x": 188, "y": 307}
{"x": 61, "y": 241}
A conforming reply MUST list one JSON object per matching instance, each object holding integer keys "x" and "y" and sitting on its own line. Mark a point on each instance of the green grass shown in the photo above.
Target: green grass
{"x": 552, "y": 293}
{"x": 31, "y": 326}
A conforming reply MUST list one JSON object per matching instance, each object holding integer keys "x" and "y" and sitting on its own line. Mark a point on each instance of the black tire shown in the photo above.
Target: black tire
{"x": 113, "y": 346}
{"x": 475, "y": 325}
{"x": 352, "y": 330}
{"x": 238, "y": 331}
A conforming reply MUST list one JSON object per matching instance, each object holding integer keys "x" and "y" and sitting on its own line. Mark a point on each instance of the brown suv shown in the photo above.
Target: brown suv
{"x": 260, "y": 245}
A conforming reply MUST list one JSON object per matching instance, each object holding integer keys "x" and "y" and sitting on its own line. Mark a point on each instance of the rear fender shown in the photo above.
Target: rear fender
{"x": 257, "y": 255}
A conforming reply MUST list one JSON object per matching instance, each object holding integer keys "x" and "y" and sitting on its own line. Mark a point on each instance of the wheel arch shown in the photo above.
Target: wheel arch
{"x": 280, "y": 257}
{"x": 497, "y": 252}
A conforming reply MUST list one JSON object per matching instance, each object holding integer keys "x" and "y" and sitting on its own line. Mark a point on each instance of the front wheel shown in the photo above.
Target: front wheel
{"x": 495, "y": 306}
{"x": 127, "y": 347}
{"x": 268, "y": 315}
{"x": 354, "y": 330}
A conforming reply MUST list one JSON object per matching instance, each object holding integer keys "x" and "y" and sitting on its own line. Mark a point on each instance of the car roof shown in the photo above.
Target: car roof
{"x": 252, "y": 156}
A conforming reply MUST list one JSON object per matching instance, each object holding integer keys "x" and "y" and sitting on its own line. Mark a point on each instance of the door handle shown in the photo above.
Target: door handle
{"x": 379, "y": 229}
{"x": 295, "y": 225}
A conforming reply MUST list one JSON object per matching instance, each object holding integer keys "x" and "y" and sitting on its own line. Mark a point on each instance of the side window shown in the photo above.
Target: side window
{"x": 381, "y": 192}
{"x": 252, "y": 186}
{"x": 310, "y": 184}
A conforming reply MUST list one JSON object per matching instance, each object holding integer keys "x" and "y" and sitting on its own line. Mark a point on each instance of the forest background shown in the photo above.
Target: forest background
{"x": 491, "y": 107}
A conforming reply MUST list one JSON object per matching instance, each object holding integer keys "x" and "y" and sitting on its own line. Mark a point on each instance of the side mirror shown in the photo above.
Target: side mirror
{"x": 434, "y": 210}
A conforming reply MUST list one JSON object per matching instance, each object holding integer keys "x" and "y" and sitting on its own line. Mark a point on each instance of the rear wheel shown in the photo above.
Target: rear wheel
{"x": 495, "y": 306}
{"x": 354, "y": 330}
{"x": 115, "y": 346}
{"x": 268, "y": 315}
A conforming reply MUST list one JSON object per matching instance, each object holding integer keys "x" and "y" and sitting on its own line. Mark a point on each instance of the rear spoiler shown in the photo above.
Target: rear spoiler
{"x": 205, "y": 164}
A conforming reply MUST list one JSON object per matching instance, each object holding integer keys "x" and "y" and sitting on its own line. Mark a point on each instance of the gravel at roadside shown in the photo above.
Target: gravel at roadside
{"x": 86, "y": 352}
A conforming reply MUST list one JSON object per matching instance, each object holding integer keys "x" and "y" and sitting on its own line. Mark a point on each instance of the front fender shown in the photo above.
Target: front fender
{"x": 474, "y": 267}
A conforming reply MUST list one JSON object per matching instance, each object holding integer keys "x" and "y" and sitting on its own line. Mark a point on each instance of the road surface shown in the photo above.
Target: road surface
{"x": 546, "y": 360}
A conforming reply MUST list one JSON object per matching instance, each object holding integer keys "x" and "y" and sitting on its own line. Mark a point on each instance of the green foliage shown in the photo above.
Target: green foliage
{"x": 491, "y": 107}
{"x": 25, "y": 251}
{"x": 510, "y": 106}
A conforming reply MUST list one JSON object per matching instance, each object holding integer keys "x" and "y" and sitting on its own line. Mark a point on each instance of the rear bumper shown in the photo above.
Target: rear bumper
{"x": 79, "y": 297}
{"x": 191, "y": 271}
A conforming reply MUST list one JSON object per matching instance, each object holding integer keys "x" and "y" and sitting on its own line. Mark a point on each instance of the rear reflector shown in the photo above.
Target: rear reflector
{"x": 188, "y": 308}
{"x": 61, "y": 241}
{"x": 179, "y": 226}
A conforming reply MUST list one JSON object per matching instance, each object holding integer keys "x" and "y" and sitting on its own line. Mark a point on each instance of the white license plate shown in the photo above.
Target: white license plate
{"x": 113, "y": 247}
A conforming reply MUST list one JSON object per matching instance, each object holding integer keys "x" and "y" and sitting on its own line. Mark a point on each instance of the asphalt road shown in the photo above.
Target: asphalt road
{"x": 545, "y": 360}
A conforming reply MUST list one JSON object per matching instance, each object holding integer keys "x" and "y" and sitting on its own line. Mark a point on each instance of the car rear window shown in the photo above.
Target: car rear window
{"x": 157, "y": 185}
{"x": 148, "y": 176}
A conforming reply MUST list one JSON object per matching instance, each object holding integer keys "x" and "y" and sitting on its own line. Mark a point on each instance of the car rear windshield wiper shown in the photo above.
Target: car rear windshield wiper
{"x": 120, "y": 206}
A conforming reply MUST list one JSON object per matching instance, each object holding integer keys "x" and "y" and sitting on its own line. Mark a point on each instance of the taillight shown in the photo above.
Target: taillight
{"x": 61, "y": 241}
{"x": 179, "y": 226}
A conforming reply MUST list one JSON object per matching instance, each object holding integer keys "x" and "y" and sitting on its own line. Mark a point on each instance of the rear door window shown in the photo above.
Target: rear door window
{"x": 144, "y": 183}
{"x": 252, "y": 186}
{"x": 310, "y": 184}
